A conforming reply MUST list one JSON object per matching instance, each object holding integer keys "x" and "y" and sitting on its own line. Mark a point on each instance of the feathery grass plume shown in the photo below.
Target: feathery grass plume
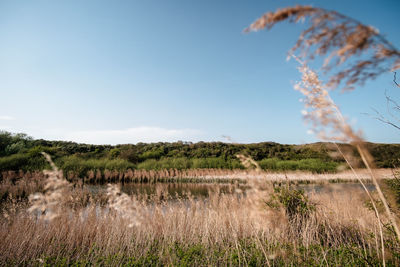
{"x": 339, "y": 38}
{"x": 124, "y": 205}
{"x": 329, "y": 124}
{"x": 248, "y": 162}
{"x": 321, "y": 112}
{"x": 49, "y": 205}
{"x": 225, "y": 226}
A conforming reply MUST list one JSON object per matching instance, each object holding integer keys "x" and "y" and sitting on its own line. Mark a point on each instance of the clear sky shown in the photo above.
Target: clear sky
{"x": 146, "y": 71}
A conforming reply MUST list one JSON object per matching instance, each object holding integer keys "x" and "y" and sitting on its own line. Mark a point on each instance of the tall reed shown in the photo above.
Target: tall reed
{"x": 234, "y": 229}
{"x": 329, "y": 124}
{"x": 340, "y": 39}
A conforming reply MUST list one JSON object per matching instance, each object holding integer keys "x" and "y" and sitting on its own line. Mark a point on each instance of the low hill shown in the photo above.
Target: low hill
{"x": 21, "y": 152}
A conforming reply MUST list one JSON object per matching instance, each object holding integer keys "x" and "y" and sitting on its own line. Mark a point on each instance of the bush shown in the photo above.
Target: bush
{"x": 81, "y": 166}
{"x": 294, "y": 201}
{"x": 165, "y": 163}
{"x": 215, "y": 163}
{"x": 185, "y": 163}
{"x": 314, "y": 165}
{"x": 26, "y": 162}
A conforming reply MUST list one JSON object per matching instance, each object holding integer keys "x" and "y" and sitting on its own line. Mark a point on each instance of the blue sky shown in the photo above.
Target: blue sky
{"x": 146, "y": 71}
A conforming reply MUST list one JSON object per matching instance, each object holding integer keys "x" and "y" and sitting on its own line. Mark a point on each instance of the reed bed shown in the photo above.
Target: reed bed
{"x": 202, "y": 175}
{"x": 62, "y": 227}
{"x": 226, "y": 229}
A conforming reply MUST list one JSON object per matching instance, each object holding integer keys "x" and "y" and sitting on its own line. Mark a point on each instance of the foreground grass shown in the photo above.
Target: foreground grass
{"x": 267, "y": 226}
{"x": 19, "y": 185}
{"x": 249, "y": 254}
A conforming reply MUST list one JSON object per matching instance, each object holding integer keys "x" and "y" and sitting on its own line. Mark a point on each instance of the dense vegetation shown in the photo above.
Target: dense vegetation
{"x": 21, "y": 152}
{"x": 267, "y": 225}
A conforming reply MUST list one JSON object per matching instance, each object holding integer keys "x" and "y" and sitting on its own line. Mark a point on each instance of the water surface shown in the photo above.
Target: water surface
{"x": 203, "y": 190}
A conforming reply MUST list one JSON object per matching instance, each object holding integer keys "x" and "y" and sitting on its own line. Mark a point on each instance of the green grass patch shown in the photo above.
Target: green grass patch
{"x": 186, "y": 163}
{"x": 81, "y": 166}
{"x": 313, "y": 165}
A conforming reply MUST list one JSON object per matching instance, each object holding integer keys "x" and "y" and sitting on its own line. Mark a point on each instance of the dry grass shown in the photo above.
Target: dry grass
{"x": 343, "y": 39}
{"x": 34, "y": 182}
{"x": 130, "y": 227}
{"x": 361, "y": 51}
{"x": 127, "y": 227}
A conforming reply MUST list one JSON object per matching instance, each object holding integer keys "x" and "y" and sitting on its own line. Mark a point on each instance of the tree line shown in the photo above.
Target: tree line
{"x": 21, "y": 152}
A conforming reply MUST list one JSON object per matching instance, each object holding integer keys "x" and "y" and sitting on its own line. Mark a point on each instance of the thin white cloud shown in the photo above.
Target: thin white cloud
{"x": 134, "y": 135}
{"x": 6, "y": 118}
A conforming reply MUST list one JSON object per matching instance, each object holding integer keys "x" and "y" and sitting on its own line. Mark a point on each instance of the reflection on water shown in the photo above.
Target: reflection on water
{"x": 198, "y": 190}
{"x": 174, "y": 190}
{"x": 335, "y": 187}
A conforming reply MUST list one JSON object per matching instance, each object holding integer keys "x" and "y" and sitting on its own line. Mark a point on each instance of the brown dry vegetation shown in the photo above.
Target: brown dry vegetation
{"x": 340, "y": 39}
{"x": 262, "y": 226}
{"x": 24, "y": 180}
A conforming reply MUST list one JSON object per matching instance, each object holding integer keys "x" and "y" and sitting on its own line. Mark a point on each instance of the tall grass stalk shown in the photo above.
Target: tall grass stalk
{"x": 329, "y": 124}
{"x": 340, "y": 39}
{"x": 239, "y": 228}
{"x": 230, "y": 224}
{"x": 370, "y": 198}
{"x": 367, "y": 159}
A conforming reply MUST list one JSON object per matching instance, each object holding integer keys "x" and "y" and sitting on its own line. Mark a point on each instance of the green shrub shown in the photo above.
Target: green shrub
{"x": 81, "y": 166}
{"x": 314, "y": 165}
{"x": 215, "y": 163}
{"x": 24, "y": 161}
{"x": 185, "y": 163}
{"x": 165, "y": 163}
{"x": 394, "y": 185}
{"x": 154, "y": 154}
{"x": 114, "y": 153}
{"x": 294, "y": 201}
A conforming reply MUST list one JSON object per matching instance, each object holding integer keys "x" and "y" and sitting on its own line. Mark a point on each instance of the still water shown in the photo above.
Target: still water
{"x": 199, "y": 190}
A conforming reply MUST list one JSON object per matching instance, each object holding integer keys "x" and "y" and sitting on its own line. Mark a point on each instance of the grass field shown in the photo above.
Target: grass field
{"x": 269, "y": 224}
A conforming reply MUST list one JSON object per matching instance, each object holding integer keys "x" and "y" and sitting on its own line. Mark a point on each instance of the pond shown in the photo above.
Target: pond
{"x": 202, "y": 190}
{"x": 335, "y": 187}
{"x": 173, "y": 190}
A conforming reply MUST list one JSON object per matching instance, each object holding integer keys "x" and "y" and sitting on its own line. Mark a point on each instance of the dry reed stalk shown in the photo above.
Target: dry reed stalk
{"x": 22, "y": 187}
{"x": 329, "y": 124}
{"x": 29, "y": 183}
{"x": 370, "y": 197}
{"x": 343, "y": 38}
{"x": 223, "y": 220}
{"x": 368, "y": 161}
{"x": 124, "y": 205}
{"x": 248, "y": 162}
{"x": 48, "y": 205}
{"x": 340, "y": 39}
